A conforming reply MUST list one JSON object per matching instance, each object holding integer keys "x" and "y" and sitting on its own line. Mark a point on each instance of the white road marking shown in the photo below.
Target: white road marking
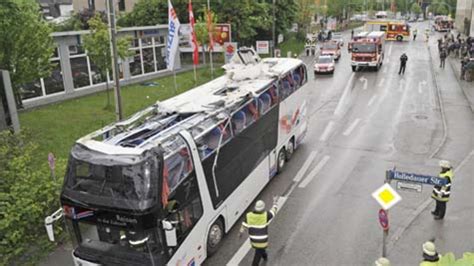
{"x": 351, "y": 127}
{"x": 363, "y": 79}
{"x": 464, "y": 161}
{"x": 305, "y": 166}
{"x": 345, "y": 95}
{"x": 388, "y": 60}
{"x": 420, "y": 86}
{"x": 401, "y": 85}
{"x": 384, "y": 70}
{"x": 315, "y": 171}
{"x": 381, "y": 82}
{"x": 327, "y": 131}
{"x": 372, "y": 100}
{"x": 243, "y": 250}
{"x": 390, "y": 50}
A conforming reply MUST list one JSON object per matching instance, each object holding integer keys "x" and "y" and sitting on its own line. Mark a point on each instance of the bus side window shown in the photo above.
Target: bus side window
{"x": 274, "y": 94}
{"x": 210, "y": 142}
{"x": 286, "y": 86}
{"x": 264, "y": 102}
{"x": 245, "y": 117}
{"x": 177, "y": 167}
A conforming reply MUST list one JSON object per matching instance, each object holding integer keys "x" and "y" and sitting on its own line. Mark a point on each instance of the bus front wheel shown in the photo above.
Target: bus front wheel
{"x": 214, "y": 237}
{"x": 290, "y": 149}
{"x": 281, "y": 159}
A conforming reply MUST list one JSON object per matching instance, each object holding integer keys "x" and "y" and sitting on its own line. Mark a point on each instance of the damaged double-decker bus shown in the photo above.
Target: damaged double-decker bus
{"x": 164, "y": 186}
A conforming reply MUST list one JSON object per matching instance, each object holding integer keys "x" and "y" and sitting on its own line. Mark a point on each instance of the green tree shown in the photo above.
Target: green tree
{"x": 415, "y": 8}
{"x": 25, "y": 43}
{"x": 146, "y": 13}
{"x": 306, "y": 10}
{"x": 247, "y": 18}
{"x": 27, "y": 194}
{"x": 97, "y": 45}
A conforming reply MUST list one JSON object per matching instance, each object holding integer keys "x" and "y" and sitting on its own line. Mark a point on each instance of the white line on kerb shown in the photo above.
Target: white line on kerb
{"x": 315, "y": 171}
{"x": 351, "y": 127}
{"x": 381, "y": 82}
{"x": 372, "y": 100}
{"x": 327, "y": 131}
{"x": 305, "y": 166}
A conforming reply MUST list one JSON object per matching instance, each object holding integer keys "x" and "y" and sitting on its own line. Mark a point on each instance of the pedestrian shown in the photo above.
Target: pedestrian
{"x": 430, "y": 256}
{"x": 442, "y": 58}
{"x": 464, "y": 62}
{"x": 352, "y": 34}
{"x": 415, "y": 32}
{"x": 382, "y": 261}
{"x": 441, "y": 192}
{"x": 403, "y": 63}
{"x": 257, "y": 224}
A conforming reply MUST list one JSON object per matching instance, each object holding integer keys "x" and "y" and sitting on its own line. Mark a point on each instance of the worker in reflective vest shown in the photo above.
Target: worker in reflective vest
{"x": 441, "y": 193}
{"x": 430, "y": 255}
{"x": 257, "y": 224}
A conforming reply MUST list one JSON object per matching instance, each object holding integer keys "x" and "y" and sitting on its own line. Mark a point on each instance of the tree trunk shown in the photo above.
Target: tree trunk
{"x": 203, "y": 54}
{"x": 107, "y": 89}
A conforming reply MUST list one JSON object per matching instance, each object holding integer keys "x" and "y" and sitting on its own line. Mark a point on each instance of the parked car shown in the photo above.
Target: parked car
{"x": 336, "y": 36}
{"x": 420, "y": 19}
{"x": 324, "y": 64}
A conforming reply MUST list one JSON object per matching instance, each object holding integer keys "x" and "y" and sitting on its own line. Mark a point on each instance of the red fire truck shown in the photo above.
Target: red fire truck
{"x": 443, "y": 23}
{"x": 368, "y": 51}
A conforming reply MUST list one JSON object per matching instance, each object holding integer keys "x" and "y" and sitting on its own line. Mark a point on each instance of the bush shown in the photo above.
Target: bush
{"x": 27, "y": 194}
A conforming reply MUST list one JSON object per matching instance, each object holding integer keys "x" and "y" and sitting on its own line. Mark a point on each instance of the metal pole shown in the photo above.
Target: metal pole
{"x": 10, "y": 96}
{"x": 210, "y": 36}
{"x": 273, "y": 29}
{"x": 115, "y": 70}
{"x": 384, "y": 241}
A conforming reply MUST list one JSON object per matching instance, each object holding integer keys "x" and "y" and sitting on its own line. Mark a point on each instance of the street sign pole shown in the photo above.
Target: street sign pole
{"x": 384, "y": 226}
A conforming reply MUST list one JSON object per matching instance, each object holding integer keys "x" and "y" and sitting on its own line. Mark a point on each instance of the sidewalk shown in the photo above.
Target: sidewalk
{"x": 455, "y": 232}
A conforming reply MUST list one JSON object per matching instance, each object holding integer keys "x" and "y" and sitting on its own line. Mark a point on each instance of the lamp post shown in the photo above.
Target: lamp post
{"x": 115, "y": 69}
{"x": 273, "y": 28}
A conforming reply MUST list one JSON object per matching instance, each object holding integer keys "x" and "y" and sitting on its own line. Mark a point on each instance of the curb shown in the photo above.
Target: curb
{"x": 471, "y": 103}
{"x": 441, "y": 107}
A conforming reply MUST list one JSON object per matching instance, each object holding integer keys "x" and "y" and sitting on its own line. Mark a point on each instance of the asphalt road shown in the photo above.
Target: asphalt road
{"x": 362, "y": 124}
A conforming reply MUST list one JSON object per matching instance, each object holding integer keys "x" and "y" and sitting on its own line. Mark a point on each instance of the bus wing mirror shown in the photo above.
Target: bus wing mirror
{"x": 48, "y": 223}
{"x": 170, "y": 233}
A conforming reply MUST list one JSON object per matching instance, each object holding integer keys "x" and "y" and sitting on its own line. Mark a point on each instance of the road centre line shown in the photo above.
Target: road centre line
{"x": 327, "y": 131}
{"x": 305, "y": 166}
{"x": 372, "y": 100}
{"x": 314, "y": 172}
{"x": 351, "y": 127}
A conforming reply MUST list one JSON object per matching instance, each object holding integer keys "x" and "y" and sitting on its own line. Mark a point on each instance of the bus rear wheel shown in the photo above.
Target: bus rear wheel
{"x": 214, "y": 237}
{"x": 281, "y": 160}
{"x": 399, "y": 38}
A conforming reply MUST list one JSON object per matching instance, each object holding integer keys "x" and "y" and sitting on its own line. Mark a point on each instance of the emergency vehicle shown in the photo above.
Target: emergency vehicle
{"x": 332, "y": 48}
{"x": 368, "y": 51}
{"x": 395, "y": 30}
{"x": 164, "y": 186}
{"x": 443, "y": 23}
{"x": 356, "y": 37}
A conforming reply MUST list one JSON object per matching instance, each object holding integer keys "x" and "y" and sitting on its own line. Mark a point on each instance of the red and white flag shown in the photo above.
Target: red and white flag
{"x": 193, "y": 34}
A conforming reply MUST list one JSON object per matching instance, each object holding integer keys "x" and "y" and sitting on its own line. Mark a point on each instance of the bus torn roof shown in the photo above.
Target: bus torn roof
{"x": 197, "y": 110}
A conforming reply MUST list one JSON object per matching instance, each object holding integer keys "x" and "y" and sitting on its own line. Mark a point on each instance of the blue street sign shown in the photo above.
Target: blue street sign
{"x": 416, "y": 178}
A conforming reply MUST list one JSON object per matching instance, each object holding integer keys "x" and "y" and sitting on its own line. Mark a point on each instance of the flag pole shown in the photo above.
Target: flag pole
{"x": 210, "y": 36}
{"x": 175, "y": 83}
{"x": 195, "y": 76}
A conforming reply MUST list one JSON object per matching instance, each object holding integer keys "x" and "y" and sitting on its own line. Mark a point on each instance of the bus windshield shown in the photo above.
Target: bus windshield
{"x": 111, "y": 182}
{"x": 116, "y": 245}
{"x": 363, "y": 48}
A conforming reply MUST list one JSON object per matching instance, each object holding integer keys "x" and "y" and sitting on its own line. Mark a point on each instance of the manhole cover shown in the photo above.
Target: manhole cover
{"x": 421, "y": 117}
